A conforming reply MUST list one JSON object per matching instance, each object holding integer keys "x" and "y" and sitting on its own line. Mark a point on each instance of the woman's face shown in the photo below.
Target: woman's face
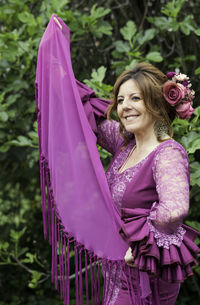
{"x": 131, "y": 109}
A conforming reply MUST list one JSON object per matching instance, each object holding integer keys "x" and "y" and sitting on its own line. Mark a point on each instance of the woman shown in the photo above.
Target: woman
{"x": 148, "y": 179}
{"x": 145, "y": 117}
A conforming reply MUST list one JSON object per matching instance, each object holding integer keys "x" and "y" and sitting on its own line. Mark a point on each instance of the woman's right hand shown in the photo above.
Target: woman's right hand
{"x": 129, "y": 259}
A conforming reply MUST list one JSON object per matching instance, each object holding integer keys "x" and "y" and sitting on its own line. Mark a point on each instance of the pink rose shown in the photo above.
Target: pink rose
{"x": 173, "y": 93}
{"x": 184, "y": 110}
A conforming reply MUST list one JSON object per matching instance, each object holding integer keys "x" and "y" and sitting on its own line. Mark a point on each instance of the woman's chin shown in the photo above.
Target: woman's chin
{"x": 130, "y": 128}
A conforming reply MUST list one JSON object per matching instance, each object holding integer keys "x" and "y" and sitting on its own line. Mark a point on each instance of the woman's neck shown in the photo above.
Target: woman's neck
{"x": 147, "y": 141}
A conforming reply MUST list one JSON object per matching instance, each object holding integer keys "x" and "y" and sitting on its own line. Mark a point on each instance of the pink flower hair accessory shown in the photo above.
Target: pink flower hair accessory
{"x": 178, "y": 94}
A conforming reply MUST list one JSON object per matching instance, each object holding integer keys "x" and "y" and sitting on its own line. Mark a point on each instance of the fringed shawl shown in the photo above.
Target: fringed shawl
{"x": 76, "y": 201}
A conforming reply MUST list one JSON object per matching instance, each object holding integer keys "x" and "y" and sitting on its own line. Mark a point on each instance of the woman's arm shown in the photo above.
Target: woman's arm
{"x": 172, "y": 184}
{"x": 107, "y": 131}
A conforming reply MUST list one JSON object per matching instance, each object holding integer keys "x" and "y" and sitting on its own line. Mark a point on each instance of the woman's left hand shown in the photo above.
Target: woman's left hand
{"x": 129, "y": 259}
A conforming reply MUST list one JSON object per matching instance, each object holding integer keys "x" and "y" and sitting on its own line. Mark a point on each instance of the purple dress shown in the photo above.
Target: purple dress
{"x": 153, "y": 198}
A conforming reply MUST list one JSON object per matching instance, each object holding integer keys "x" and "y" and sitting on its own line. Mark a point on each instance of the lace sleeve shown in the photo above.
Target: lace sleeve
{"x": 172, "y": 183}
{"x": 108, "y": 135}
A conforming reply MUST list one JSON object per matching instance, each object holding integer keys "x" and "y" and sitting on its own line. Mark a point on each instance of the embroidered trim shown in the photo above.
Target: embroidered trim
{"x": 163, "y": 239}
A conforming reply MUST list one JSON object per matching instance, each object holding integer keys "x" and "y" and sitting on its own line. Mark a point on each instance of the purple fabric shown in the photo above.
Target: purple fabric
{"x": 69, "y": 147}
{"x": 169, "y": 259}
{"x": 168, "y": 293}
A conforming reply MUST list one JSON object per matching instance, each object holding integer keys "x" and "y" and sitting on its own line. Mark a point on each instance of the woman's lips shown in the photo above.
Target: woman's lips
{"x": 131, "y": 117}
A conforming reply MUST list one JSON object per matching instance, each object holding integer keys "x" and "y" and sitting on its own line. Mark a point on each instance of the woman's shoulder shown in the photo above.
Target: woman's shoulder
{"x": 170, "y": 153}
{"x": 170, "y": 145}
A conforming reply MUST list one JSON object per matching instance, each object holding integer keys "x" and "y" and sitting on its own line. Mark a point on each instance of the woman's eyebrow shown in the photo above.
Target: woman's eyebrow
{"x": 135, "y": 93}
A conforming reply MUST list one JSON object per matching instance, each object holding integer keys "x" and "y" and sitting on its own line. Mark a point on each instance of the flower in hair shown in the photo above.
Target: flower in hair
{"x": 173, "y": 93}
{"x": 178, "y": 94}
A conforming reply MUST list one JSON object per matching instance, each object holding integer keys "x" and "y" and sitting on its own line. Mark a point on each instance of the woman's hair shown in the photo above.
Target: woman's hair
{"x": 149, "y": 81}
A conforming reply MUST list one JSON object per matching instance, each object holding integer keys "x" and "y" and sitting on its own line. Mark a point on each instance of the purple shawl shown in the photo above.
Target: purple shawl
{"x": 76, "y": 201}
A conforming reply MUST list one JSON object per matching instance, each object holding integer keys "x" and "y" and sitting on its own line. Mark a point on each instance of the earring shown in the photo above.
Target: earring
{"x": 161, "y": 128}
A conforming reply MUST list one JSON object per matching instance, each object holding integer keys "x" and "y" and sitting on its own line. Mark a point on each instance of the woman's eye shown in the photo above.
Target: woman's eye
{"x": 119, "y": 101}
{"x": 135, "y": 98}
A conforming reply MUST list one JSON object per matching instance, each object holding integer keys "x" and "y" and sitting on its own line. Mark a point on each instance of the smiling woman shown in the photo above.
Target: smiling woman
{"x": 131, "y": 223}
{"x": 148, "y": 179}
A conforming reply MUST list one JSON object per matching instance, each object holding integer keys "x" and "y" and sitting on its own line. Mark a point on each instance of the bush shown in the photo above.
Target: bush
{"x": 106, "y": 38}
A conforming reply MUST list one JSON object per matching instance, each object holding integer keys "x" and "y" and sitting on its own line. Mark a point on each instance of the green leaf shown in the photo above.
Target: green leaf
{"x": 187, "y": 25}
{"x": 184, "y": 28}
{"x": 30, "y": 258}
{"x": 24, "y": 46}
{"x": 132, "y": 64}
{"x": 105, "y": 29}
{"x": 164, "y": 24}
{"x": 11, "y": 99}
{"x": 148, "y": 35}
{"x": 3, "y": 116}
{"x": 194, "y": 224}
{"x": 160, "y": 22}
{"x": 173, "y": 8}
{"x": 27, "y": 18}
{"x": 33, "y": 135}
{"x": 4, "y": 148}
{"x": 190, "y": 58}
{"x": 195, "y": 174}
{"x": 21, "y": 141}
{"x": 4, "y": 246}
{"x": 154, "y": 56}
{"x": 197, "y": 32}
{"x": 195, "y": 145}
{"x": 197, "y": 71}
{"x": 99, "y": 12}
{"x": 122, "y": 47}
{"x": 59, "y": 4}
{"x": 129, "y": 30}
{"x": 2, "y": 96}
{"x": 99, "y": 74}
{"x": 36, "y": 276}
{"x": 197, "y": 110}
{"x": 22, "y": 251}
{"x": 16, "y": 235}
{"x": 18, "y": 84}
{"x": 191, "y": 142}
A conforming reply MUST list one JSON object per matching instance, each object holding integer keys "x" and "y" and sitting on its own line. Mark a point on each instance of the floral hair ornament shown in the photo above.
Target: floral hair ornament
{"x": 178, "y": 94}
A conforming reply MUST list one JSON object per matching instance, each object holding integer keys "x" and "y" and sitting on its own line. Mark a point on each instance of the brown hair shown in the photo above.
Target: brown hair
{"x": 150, "y": 81}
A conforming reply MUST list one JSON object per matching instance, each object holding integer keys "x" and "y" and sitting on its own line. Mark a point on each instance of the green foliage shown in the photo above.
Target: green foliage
{"x": 129, "y": 52}
{"x": 172, "y": 8}
{"x": 106, "y": 38}
{"x": 96, "y": 82}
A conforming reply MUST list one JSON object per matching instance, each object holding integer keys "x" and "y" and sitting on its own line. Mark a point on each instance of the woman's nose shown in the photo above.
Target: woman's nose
{"x": 127, "y": 104}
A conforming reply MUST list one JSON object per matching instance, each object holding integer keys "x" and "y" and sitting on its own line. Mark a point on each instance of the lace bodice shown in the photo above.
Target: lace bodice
{"x": 118, "y": 181}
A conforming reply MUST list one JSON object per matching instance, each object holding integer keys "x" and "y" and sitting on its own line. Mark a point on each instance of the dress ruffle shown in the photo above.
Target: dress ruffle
{"x": 173, "y": 264}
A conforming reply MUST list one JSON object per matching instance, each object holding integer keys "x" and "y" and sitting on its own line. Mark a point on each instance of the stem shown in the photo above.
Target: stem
{"x": 144, "y": 16}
